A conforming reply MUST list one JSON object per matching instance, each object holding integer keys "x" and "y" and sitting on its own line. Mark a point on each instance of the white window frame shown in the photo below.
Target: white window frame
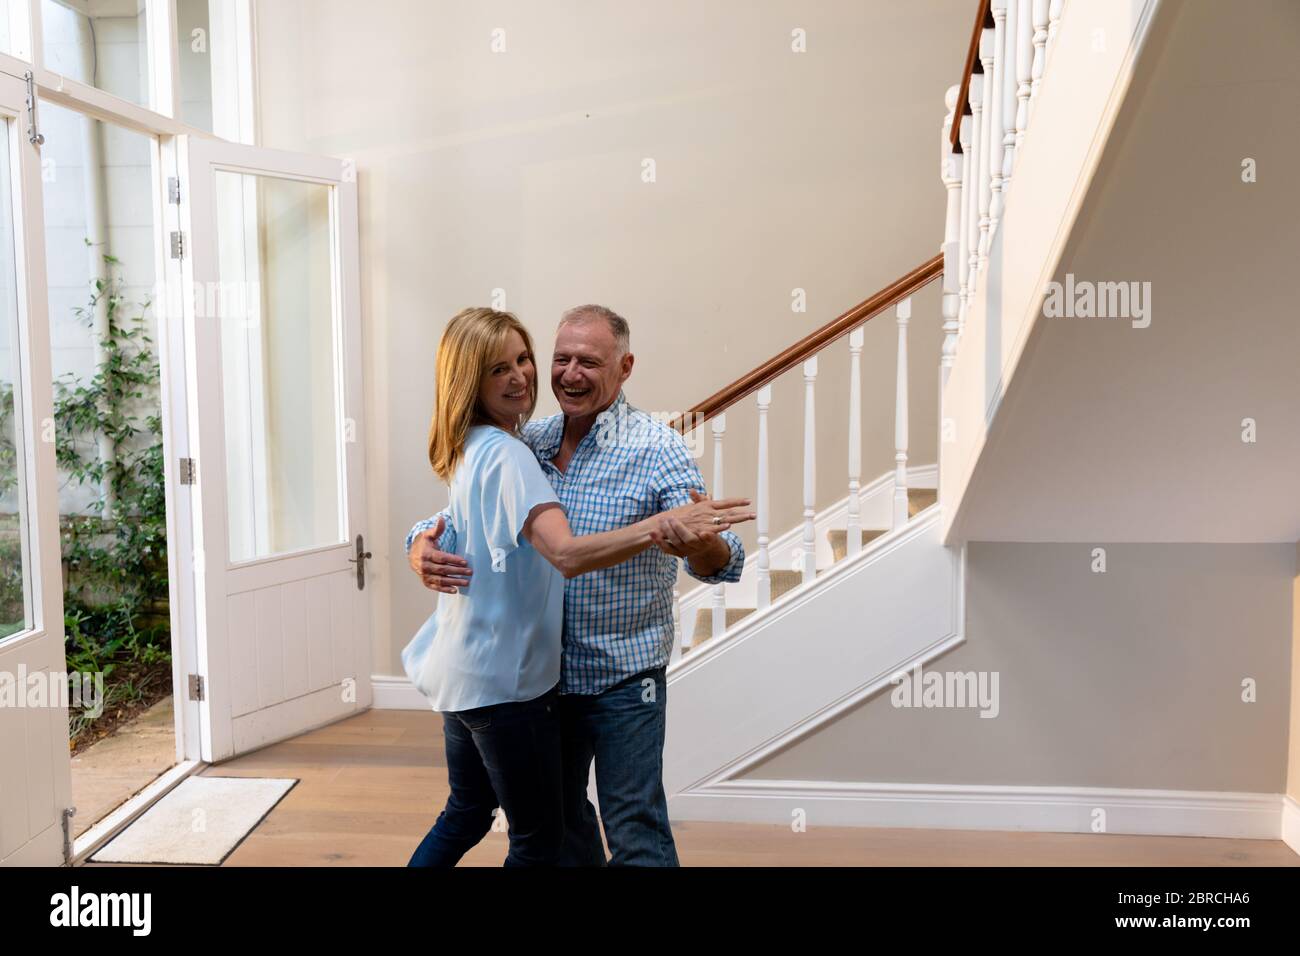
{"x": 158, "y": 119}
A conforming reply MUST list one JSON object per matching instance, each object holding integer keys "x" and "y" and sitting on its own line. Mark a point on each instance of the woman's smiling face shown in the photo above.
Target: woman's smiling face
{"x": 506, "y": 391}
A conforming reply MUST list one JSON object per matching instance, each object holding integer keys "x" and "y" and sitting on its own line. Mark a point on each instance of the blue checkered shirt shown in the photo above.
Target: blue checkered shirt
{"x": 617, "y": 621}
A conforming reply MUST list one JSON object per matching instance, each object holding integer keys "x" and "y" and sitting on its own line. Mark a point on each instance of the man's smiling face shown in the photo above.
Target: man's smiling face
{"x": 587, "y": 370}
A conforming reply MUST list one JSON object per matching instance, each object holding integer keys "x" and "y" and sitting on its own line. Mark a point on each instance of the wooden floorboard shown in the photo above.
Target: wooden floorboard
{"x": 372, "y": 785}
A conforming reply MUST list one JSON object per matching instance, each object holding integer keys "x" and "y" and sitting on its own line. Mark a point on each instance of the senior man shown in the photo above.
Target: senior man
{"x": 611, "y": 465}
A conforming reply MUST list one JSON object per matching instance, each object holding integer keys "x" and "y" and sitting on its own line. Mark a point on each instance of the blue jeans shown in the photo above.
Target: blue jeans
{"x": 508, "y": 756}
{"x": 622, "y": 728}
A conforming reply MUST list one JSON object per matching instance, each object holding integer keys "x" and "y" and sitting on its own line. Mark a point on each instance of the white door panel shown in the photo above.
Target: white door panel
{"x": 35, "y": 767}
{"x": 275, "y": 357}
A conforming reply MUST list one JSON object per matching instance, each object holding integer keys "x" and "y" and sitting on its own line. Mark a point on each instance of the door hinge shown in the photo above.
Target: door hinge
{"x": 68, "y": 814}
{"x": 196, "y": 687}
{"x": 174, "y": 190}
{"x": 178, "y": 245}
{"x": 189, "y": 471}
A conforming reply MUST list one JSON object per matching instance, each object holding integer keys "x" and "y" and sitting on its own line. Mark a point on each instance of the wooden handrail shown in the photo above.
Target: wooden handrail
{"x": 811, "y": 344}
{"x": 983, "y": 19}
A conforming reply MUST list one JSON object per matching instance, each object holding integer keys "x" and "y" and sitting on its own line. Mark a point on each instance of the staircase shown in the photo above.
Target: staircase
{"x": 799, "y": 641}
{"x": 782, "y": 582}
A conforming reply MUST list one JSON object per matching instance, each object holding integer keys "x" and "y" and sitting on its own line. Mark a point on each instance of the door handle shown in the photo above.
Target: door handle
{"x": 360, "y": 562}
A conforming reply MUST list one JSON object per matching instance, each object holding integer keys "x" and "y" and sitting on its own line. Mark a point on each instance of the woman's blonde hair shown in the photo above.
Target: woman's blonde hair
{"x": 470, "y": 344}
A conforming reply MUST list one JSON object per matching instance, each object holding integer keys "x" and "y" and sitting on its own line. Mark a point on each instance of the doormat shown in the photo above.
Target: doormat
{"x": 199, "y": 822}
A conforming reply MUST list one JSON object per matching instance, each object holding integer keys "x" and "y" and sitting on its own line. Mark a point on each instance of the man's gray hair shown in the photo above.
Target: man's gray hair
{"x": 617, "y": 324}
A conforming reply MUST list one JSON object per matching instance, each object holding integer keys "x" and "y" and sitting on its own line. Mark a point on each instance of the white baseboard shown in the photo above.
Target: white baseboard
{"x": 1256, "y": 816}
{"x": 1291, "y": 823}
{"x": 397, "y": 693}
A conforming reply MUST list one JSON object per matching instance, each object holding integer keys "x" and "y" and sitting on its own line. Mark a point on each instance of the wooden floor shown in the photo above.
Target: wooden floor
{"x": 371, "y": 786}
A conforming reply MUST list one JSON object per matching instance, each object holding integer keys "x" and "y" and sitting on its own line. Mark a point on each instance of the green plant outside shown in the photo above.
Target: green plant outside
{"x": 114, "y": 569}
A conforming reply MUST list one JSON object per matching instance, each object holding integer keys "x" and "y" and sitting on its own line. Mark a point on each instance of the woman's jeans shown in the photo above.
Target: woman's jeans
{"x": 507, "y": 756}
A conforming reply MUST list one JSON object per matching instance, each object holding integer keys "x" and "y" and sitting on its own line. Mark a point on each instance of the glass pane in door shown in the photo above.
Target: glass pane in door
{"x": 15, "y": 586}
{"x": 279, "y": 365}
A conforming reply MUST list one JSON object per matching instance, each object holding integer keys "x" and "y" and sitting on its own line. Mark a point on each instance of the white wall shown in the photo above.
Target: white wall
{"x": 521, "y": 171}
{"x": 1130, "y": 678}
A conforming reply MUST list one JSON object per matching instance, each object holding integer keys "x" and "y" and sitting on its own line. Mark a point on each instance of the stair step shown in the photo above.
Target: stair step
{"x": 704, "y": 622}
{"x": 839, "y": 539}
{"x": 918, "y": 499}
{"x": 783, "y": 581}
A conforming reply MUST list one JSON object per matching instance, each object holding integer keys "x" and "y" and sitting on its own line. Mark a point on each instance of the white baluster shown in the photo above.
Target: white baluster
{"x": 1010, "y": 83}
{"x": 764, "y": 558}
{"x": 904, "y": 312}
{"x": 719, "y": 590}
{"x": 967, "y": 187}
{"x": 1024, "y": 68}
{"x": 854, "y": 534}
{"x": 1054, "y": 11}
{"x": 685, "y": 636}
{"x": 809, "y": 470}
{"x": 953, "y": 290}
{"x": 976, "y": 92}
{"x": 683, "y": 639}
{"x": 997, "y": 125}
{"x": 1040, "y": 49}
{"x": 984, "y": 145}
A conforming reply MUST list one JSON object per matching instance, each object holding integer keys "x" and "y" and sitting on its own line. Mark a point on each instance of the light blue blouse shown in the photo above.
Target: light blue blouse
{"x": 498, "y": 639}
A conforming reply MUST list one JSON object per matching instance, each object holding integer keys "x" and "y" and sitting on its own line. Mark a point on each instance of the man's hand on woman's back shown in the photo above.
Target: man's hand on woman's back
{"x": 439, "y": 570}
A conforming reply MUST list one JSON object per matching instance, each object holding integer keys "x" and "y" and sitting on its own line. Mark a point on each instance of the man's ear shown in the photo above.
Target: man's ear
{"x": 628, "y": 359}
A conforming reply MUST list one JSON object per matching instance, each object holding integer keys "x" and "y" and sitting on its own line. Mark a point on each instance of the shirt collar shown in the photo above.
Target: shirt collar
{"x": 548, "y": 442}
{"x": 616, "y": 409}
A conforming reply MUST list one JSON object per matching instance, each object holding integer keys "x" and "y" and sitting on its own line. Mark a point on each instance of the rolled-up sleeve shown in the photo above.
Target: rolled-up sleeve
{"x": 445, "y": 543}
{"x": 675, "y": 475}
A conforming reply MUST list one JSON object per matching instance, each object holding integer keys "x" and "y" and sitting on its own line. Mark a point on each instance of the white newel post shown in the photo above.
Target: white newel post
{"x": 904, "y": 311}
{"x": 1010, "y": 84}
{"x": 950, "y": 169}
{"x": 997, "y": 124}
{"x": 1040, "y": 49}
{"x": 719, "y": 590}
{"x": 985, "y": 142}
{"x": 854, "y": 534}
{"x": 972, "y": 151}
{"x": 764, "y": 558}
{"x": 809, "y": 471}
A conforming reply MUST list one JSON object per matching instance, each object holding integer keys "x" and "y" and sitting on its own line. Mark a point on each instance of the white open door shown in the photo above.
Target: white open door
{"x": 35, "y": 767}
{"x": 273, "y": 340}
